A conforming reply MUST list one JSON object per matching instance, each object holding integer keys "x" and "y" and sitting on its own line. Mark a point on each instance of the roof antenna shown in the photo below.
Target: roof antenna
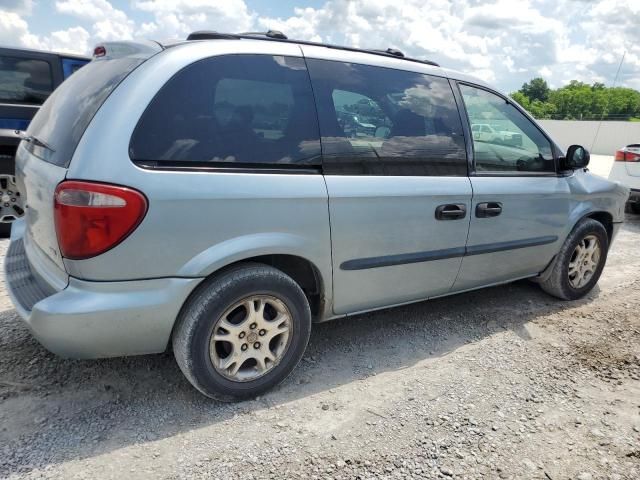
{"x": 606, "y": 107}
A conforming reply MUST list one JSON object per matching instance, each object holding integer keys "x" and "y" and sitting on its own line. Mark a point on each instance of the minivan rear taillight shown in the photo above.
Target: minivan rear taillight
{"x": 92, "y": 218}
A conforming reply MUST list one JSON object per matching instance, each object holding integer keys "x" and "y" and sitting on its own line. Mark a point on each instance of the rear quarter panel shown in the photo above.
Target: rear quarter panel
{"x": 197, "y": 222}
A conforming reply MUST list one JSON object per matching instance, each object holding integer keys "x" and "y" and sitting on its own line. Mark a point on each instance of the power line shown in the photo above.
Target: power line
{"x": 615, "y": 80}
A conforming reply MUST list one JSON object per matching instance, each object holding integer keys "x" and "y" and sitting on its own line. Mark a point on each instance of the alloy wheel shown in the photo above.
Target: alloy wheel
{"x": 250, "y": 338}
{"x": 584, "y": 261}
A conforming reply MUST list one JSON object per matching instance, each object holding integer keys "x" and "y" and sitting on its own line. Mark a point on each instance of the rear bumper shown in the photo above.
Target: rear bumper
{"x": 95, "y": 319}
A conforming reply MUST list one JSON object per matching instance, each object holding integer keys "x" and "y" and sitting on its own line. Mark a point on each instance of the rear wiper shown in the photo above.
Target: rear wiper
{"x": 34, "y": 140}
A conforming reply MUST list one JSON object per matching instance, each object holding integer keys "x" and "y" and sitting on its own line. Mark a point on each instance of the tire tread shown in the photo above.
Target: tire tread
{"x": 556, "y": 283}
{"x": 207, "y": 292}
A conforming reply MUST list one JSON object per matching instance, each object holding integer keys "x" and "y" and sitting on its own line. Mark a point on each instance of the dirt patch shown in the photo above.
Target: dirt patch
{"x": 500, "y": 383}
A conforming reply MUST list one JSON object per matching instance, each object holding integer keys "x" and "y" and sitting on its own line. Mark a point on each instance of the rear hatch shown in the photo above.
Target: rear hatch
{"x": 44, "y": 156}
{"x": 633, "y": 167}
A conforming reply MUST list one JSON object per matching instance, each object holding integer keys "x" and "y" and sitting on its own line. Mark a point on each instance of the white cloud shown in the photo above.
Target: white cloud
{"x": 506, "y": 42}
{"x": 13, "y": 27}
{"x": 502, "y": 41}
{"x": 72, "y": 40}
{"x": 494, "y": 40}
{"x": 109, "y": 23}
{"x": 91, "y": 9}
{"x": 545, "y": 72}
{"x": 14, "y": 30}
{"x": 22, "y": 7}
{"x": 178, "y": 18}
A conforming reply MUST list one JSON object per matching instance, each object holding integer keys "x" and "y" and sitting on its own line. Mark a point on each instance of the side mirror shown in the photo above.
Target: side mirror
{"x": 577, "y": 157}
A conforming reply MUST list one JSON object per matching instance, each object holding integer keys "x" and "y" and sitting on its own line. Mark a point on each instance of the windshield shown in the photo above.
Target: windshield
{"x": 65, "y": 115}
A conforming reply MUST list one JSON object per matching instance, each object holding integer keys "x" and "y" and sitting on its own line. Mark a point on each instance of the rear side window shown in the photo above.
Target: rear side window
{"x": 382, "y": 121}
{"x": 24, "y": 81}
{"x": 246, "y": 110}
{"x": 66, "y": 114}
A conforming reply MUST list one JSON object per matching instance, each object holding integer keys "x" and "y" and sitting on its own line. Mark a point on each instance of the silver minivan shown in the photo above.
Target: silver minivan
{"x": 219, "y": 195}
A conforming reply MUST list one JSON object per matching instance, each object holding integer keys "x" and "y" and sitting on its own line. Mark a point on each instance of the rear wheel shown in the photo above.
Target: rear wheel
{"x": 579, "y": 263}
{"x": 243, "y": 332}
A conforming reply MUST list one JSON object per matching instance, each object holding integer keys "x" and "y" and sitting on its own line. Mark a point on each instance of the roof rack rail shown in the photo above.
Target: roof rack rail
{"x": 211, "y": 35}
{"x": 391, "y": 51}
{"x": 277, "y": 36}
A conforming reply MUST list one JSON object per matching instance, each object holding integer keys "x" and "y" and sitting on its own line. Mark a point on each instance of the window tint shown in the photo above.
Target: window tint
{"x": 249, "y": 109}
{"x": 65, "y": 115}
{"x": 269, "y": 105}
{"x": 72, "y": 65}
{"x": 381, "y": 121}
{"x": 504, "y": 140}
{"x": 360, "y": 116}
{"x": 24, "y": 81}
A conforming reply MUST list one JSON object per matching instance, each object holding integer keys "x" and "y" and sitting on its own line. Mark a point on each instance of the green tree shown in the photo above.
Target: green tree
{"x": 522, "y": 99}
{"x": 536, "y": 89}
{"x": 542, "y": 109}
{"x": 578, "y": 100}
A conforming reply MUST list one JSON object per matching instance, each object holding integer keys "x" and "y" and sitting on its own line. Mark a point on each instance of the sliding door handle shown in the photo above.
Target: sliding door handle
{"x": 488, "y": 209}
{"x": 451, "y": 211}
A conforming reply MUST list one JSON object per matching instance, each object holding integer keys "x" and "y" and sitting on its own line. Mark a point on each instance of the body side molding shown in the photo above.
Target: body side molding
{"x": 429, "y": 256}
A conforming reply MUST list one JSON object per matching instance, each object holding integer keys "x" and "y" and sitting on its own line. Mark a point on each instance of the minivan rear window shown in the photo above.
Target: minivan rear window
{"x": 232, "y": 111}
{"x": 65, "y": 115}
{"x": 25, "y": 81}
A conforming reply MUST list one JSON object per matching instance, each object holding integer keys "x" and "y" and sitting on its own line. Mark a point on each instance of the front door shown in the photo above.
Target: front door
{"x": 396, "y": 173}
{"x": 520, "y": 205}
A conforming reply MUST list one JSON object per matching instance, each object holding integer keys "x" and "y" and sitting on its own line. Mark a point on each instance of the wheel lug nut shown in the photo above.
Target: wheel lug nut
{"x": 253, "y": 326}
{"x": 242, "y": 335}
{"x": 262, "y": 332}
{"x": 244, "y": 347}
{"x": 256, "y": 345}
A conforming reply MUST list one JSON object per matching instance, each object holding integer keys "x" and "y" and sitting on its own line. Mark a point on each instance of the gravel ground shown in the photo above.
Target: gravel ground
{"x": 500, "y": 383}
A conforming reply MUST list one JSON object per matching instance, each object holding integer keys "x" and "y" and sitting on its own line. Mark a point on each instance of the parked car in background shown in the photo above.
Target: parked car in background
{"x": 204, "y": 194}
{"x": 626, "y": 170}
{"x": 27, "y": 78}
{"x": 483, "y": 132}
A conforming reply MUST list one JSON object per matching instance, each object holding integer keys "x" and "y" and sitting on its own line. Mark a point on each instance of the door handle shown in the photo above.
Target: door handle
{"x": 451, "y": 211}
{"x": 488, "y": 209}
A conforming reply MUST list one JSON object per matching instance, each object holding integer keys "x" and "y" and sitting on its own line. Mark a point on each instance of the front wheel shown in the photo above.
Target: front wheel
{"x": 242, "y": 332}
{"x": 579, "y": 263}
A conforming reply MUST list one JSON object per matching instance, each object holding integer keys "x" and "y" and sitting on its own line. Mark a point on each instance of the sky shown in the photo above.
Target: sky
{"x": 504, "y": 42}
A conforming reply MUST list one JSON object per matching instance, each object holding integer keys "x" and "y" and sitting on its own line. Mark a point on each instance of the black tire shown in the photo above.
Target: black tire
{"x": 195, "y": 326}
{"x": 635, "y": 208}
{"x": 558, "y": 284}
{"x": 5, "y": 230}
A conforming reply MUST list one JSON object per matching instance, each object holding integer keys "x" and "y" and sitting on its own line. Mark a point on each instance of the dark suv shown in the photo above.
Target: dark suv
{"x": 27, "y": 78}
